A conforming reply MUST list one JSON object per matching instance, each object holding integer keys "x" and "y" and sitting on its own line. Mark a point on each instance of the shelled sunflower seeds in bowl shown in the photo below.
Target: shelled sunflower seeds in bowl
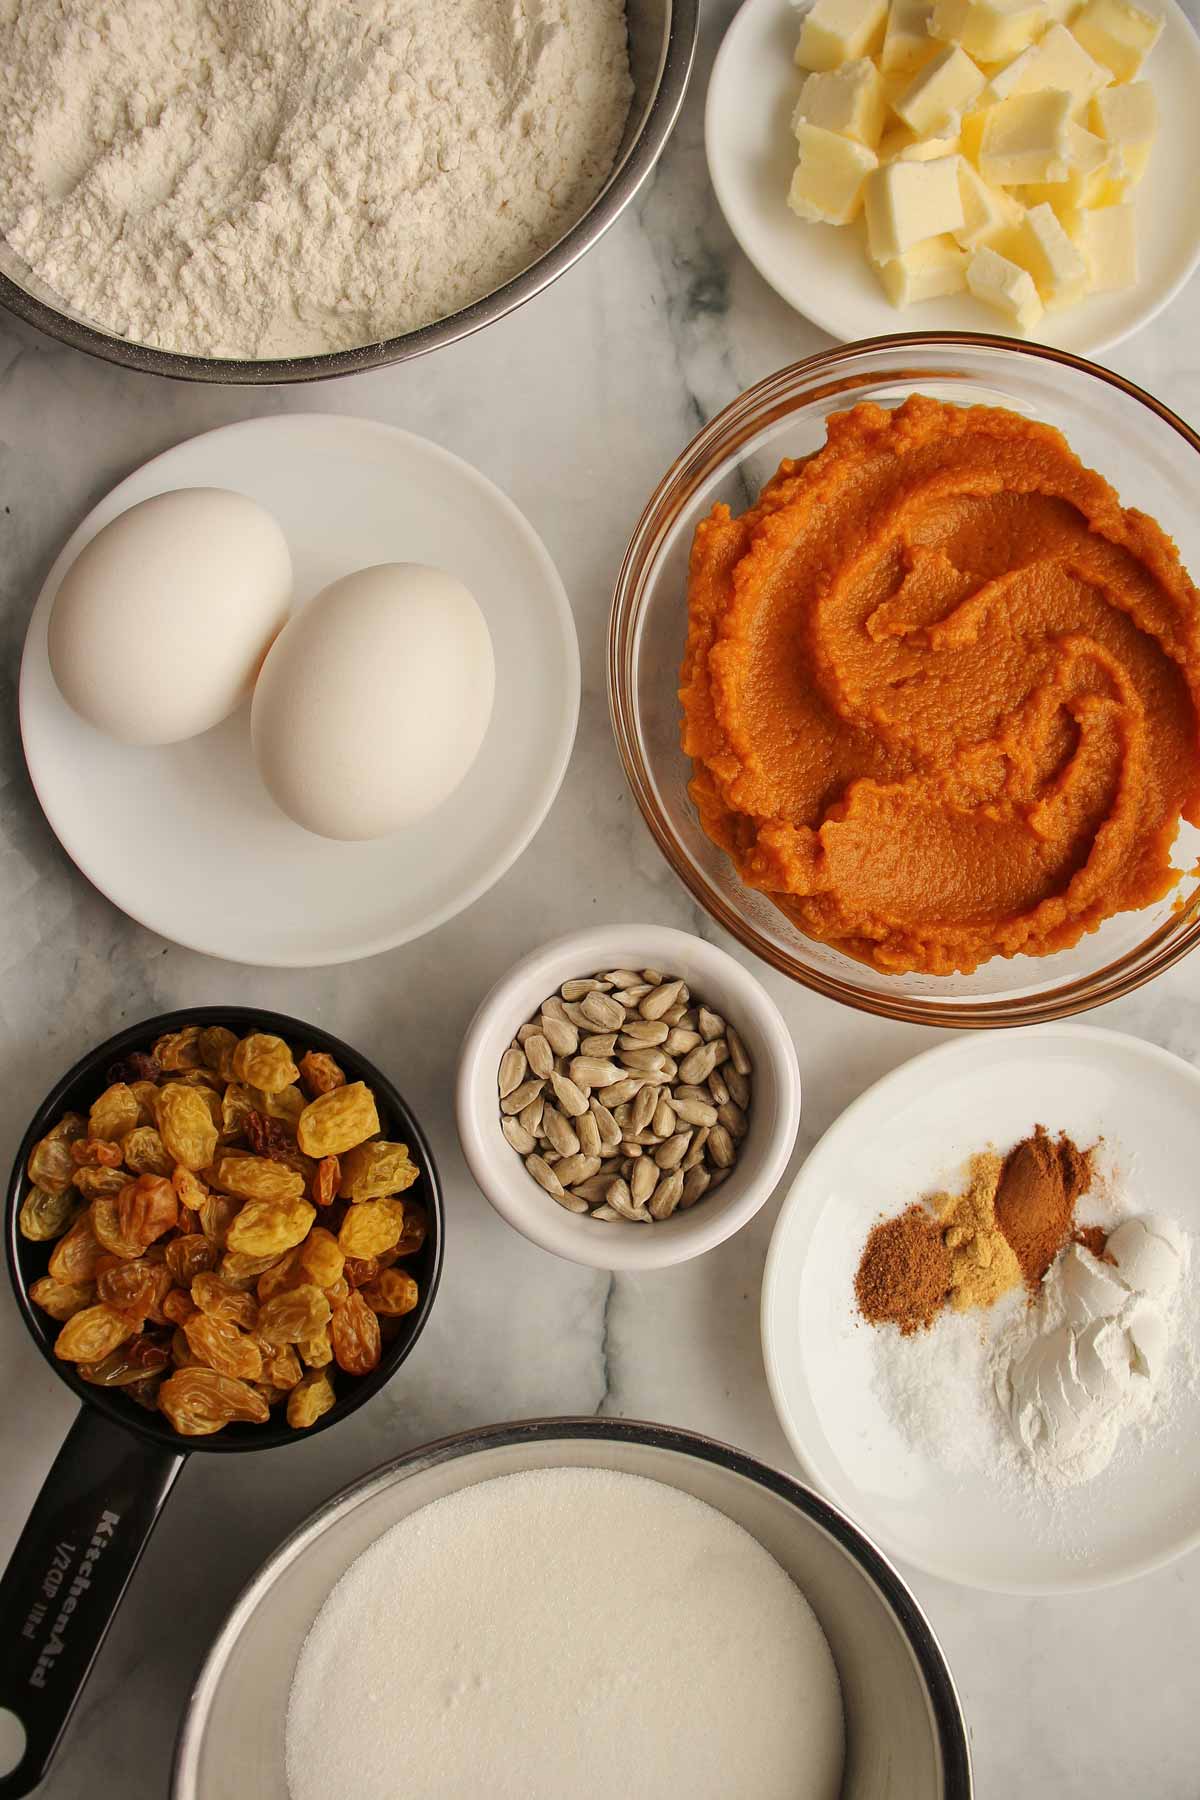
{"x": 229, "y": 1231}
{"x": 626, "y": 1097}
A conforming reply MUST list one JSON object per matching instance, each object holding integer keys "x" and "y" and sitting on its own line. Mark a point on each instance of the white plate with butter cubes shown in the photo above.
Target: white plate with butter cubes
{"x": 1028, "y": 245}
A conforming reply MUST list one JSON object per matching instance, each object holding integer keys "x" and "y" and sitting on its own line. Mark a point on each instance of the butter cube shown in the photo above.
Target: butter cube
{"x": 987, "y": 210}
{"x": 1025, "y": 139}
{"x": 998, "y": 282}
{"x": 839, "y": 31}
{"x": 991, "y": 31}
{"x": 1118, "y": 34}
{"x": 1107, "y": 238}
{"x": 927, "y": 149}
{"x": 1088, "y": 181}
{"x": 928, "y": 271}
{"x": 907, "y": 45}
{"x": 1040, "y": 245}
{"x": 1062, "y": 11}
{"x": 1126, "y": 118}
{"x": 848, "y": 100}
{"x": 940, "y": 91}
{"x": 970, "y": 131}
{"x": 1057, "y": 60}
{"x": 827, "y": 187}
{"x": 907, "y": 202}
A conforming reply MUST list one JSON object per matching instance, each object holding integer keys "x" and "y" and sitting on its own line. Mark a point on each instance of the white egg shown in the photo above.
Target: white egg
{"x": 161, "y": 623}
{"x": 374, "y": 701}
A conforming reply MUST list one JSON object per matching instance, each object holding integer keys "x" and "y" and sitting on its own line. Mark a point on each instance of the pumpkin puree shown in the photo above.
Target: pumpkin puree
{"x": 941, "y": 690}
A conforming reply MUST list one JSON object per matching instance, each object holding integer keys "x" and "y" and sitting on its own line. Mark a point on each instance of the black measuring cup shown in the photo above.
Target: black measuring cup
{"x": 111, "y": 1479}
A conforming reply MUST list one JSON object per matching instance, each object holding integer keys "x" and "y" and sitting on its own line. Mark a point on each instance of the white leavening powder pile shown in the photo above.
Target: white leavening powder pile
{"x": 284, "y": 177}
{"x": 572, "y": 1632}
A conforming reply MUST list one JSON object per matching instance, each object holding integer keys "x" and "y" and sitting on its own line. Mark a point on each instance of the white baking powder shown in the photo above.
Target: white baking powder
{"x": 283, "y": 177}
{"x": 571, "y": 1632}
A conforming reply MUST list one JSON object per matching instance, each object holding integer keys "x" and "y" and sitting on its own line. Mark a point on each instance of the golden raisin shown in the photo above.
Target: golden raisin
{"x": 309, "y": 1399}
{"x": 371, "y": 1227}
{"x": 44, "y": 1215}
{"x": 145, "y": 1153}
{"x": 88, "y": 1336}
{"x": 96, "y": 1153}
{"x": 92, "y": 1183}
{"x": 146, "y": 1095}
{"x": 324, "y": 1184}
{"x": 321, "y": 1257}
{"x": 222, "y": 1346}
{"x": 189, "y": 1190}
{"x": 281, "y": 1275}
{"x": 51, "y": 1165}
{"x": 295, "y": 1316}
{"x": 316, "y": 1351}
{"x": 239, "y": 1270}
{"x": 198, "y": 1401}
{"x": 178, "y": 1306}
{"x": 338, "y": 1121}
{"x": 145, "y": 1209}
{"x": 237, "y": 1103}
{"x": 358, "y": 1270}
{"x": 115, "y": 1114}
{"x": 188, "y": 1255}
{"x": 284, "y": 1105}
{"x": 393, "y": 1293}
{"x": 185, "y": 1124}
{"x": 320, "y": 1074}
{"x": 74, "y": 1257}
{"x": 106, "y": 1223}
{"x": 416, "y": 1229}
{"x": 256, "y": 1177}
{"x": 216, "y": 1215}
{"x": 217, "y": 1045}
{"x": 137, "y": 1288}
{"x": 61, "y": 1299}
{"x": 281, "y": 1366}
{"x": 376, "y": 1169}
{"x": 179, "y": 1049}
{"x": 265, "y": 1062}
{"x": 134, "y": 1360}
{"x": 231, "y": 1305}
{"x": 269, "y": 1227}
{"x": 354, "y": 1334}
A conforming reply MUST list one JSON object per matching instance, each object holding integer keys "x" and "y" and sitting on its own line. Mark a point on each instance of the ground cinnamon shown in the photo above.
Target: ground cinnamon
{"x": 1035, "y": 1202}
{"x": 1093, "y": 1238}
{"x": 904, "y": 1273}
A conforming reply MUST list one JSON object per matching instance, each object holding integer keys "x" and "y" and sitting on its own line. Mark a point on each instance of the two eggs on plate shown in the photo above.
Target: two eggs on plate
{"x": 369, "y": 705}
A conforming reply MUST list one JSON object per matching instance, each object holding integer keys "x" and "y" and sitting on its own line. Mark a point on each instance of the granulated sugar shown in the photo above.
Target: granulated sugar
{"x": 567, "y": 1632}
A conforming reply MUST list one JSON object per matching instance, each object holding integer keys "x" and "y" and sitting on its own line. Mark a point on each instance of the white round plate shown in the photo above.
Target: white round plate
{"x": 185, "y": 838}
{"x": 822, "y": 270}
{"x": 910, "y": 1135}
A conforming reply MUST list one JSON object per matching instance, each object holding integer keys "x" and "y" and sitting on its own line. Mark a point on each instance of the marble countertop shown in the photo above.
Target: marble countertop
{"x": 575, "y": 406}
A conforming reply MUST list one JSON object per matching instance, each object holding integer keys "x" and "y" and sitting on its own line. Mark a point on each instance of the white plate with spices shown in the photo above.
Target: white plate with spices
{"x": 822, "y": 270}
{"x": 966, "y": 1518}
{"x": 185, "y": 838}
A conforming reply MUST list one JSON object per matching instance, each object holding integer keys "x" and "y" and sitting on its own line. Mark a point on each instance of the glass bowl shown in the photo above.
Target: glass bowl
{"x": 1144, "y": 450}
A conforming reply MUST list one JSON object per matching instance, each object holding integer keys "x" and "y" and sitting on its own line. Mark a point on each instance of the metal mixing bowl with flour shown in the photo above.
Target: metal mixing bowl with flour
{"x": 662, "y": 39}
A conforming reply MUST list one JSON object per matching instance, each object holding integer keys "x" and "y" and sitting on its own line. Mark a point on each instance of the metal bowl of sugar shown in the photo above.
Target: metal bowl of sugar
{"x": 905, "y": 1737}
{"x": 662, "y": 43}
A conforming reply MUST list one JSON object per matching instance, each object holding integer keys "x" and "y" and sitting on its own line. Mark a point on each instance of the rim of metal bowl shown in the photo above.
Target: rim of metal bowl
{"x": 945, "y": 1705}
{"x": 675, "y": 65}
{"x": 109, "y": 1402}
{"x": 721, "y": 439}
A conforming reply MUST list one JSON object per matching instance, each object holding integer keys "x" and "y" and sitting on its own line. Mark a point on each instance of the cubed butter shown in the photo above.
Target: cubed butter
{"x": 907, "y": 45}
{"x": 1118, "y": 34}
{"x": 940, "y": 92}
{"x": 827, "y": 187}
{"x": 839, "y": 31}
{"x": 1025, "y": 139}
{"x": 1107, "y": 238}
{"x": 1040, "y": 245}
{"x": 987, "y": 210}
{"x": 848, "y": 100}
{"x": 907, "y": 202}
{"x": 929, "y": 271}
{"x": 970, "y": 131}
{"x": 1057, "y": 60}
{"x": 1126, "y": 117}
{"x": 998, "y": 282}
{"x": 927, "y": 149}
{"x": 1062, "y": 11}
{"x": 991, "y": 31}
{"x": 1088, "y": 181}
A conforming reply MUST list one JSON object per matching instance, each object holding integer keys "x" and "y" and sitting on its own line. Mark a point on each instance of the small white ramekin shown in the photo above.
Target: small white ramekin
{"x": 717, "y": 980}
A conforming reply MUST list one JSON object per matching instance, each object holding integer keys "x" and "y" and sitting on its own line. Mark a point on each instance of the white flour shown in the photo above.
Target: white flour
{"x": 283, "y": 177}
{"x": 572, "y": 1632}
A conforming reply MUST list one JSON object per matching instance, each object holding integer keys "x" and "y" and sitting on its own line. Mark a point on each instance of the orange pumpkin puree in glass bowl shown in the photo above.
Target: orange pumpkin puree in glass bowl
{"x": 942, "y": 691}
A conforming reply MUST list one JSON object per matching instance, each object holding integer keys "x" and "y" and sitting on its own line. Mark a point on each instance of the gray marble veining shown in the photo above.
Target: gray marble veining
{"x": 575, "y": 406}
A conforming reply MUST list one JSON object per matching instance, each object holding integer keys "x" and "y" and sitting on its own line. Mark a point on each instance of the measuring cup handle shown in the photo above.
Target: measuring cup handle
{"x": 64, "y": 1582}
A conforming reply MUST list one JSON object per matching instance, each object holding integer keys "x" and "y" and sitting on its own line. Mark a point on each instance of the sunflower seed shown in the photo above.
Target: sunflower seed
{"x": 560, "y": 1034}
{"x": 664, "y": 1119}
{"x": 695, "y": 1155}
{"x": 578, "y": 990}
{"x": 519, "y": 1097}
{"x": 607, "y": 1213}
{"x": 672, "y": 1153}
{"x": 602, "y": 1044}
{"x": 649, "y": 1062}
{"x": 642, "y": 1107}
{"x": 513, "y": 1067}
{"x": 717, "y": 1177}
{"x": 738, "y": 1085}
{"x": 522, "y": 1141}
{"x": 690, "y": 1019}
{"x": 629, "y": 997}
{"x": 621, "y": 978}
{"x": 569, "y": 1097}
{"x": 560, "y": 1134}
{"x": 604, "y": 1012}
{"x": 610, "y": 1131}
{"x": 667, "y": 1196}
{"x": 643, "y": 1181}
{"x": 693, "y": 1112}
{"x": 531, "y": 1116}
{"x": 631, "y": 1148}
{"x": 576, "y": 1016}
{"x": 588, "y": 1133}
{"x": 695, "y": 1183}
{"x": 685, "y": 1091}
{"x": 679, "y": 1042}
{"x": 734, "y": 1120}
{"x": 596, "y": 1186}
{"x": 621, "y": 1201}
{"x": 718, "y": 1087}
{"x": 593, "y": 1072}
{"x": 640, "y": 1034}
{"x": 545, "y": 1177}
{"x": 541, "y": 1056}
{"x": 652, "y": 977}
{"x": 573, "y": 1169}
{"x": 710, "y": 1025}
{"x": 657, "y": 1003}
{"x": 699, "y": 1063}
{"x": 533, "y": 1029}
{"x": 738, "y": 1054}
{"x": 720, "y": 1147}
{"x": 622, "y": 1090}
{"x": 553, "y": 1008}
{"x": 674, "y": 1013}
